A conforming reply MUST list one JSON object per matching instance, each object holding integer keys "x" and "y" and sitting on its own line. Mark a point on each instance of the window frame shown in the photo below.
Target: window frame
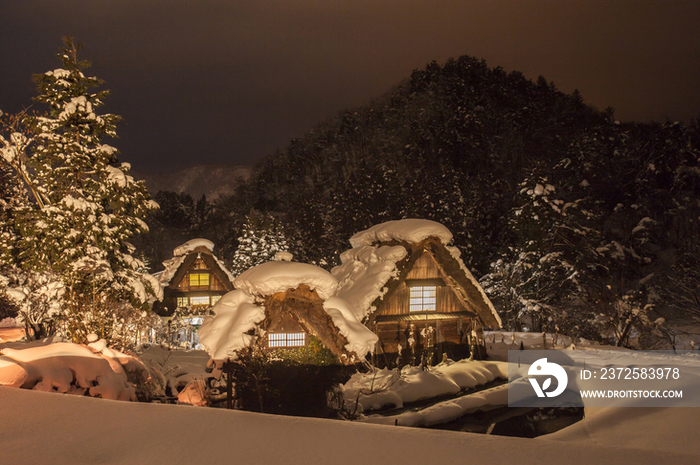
{"x": 199, "y": 274}
{"x": 283, "y": 340}
{"x": 198, "y": 301}
{"x": 421, "y": 300}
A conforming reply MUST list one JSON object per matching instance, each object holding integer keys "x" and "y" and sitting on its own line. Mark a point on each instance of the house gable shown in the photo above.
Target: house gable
{"x": 429, "y": 259}
{"x": 302, "y": 308}
{"x": 422, "y": 272}
{"x": 191, "y": 264}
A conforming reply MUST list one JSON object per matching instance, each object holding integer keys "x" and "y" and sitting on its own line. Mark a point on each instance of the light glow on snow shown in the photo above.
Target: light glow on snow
{"x": 235, "y": 314}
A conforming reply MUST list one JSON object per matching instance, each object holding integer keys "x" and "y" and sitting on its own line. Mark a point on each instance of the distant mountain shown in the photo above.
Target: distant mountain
{"x": 210, "y": 180}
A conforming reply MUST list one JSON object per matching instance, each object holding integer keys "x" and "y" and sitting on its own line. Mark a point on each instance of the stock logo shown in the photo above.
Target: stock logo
{"x": 544, "y": 368}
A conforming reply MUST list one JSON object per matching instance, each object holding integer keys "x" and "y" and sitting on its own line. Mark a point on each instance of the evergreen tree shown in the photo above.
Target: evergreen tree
{"x": 262, "y": 239}
{"x": 86, "y": 207}
{"x": 14, "y": 183}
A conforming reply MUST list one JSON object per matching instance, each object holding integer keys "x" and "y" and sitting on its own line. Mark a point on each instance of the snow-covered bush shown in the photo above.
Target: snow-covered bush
{"x": 37, "y": 298}
{"x": 93, "y": 370}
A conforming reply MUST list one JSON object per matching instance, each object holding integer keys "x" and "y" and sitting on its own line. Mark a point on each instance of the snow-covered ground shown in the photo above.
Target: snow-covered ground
{"x": 11, "y": 334}
{"x": 39, "y": 427}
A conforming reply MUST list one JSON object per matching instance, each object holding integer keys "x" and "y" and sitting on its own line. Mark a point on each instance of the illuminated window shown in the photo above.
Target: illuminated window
{"x": 199, "y": 300}
{"x": 182, "y": 302}
{"x": 199, "y": 279}
{"x": 286, "y": 339}
{"x": 215, "y": 299}
{"x": 423, "y": 298}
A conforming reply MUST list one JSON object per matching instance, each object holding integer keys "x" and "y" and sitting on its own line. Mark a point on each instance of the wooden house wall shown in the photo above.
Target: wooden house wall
{"x": 397, "y": 303}
{"x": 424, "y": 268}
{"x": 451, "y": 337}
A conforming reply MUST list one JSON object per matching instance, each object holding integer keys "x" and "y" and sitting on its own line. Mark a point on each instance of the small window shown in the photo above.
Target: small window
{"x": 199, "y": 279}
{"x": 279, "y": 340}
{"x": 200, "y": 300}
{"x": 215, "y": 299}
{"x": 182, "y": 302}
{"x": 423, "y": 298}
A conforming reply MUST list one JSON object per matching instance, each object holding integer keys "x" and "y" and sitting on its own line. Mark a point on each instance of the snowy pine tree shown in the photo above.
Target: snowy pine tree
{"x": 261, "y": 240}
{"x": 85, "y": 207}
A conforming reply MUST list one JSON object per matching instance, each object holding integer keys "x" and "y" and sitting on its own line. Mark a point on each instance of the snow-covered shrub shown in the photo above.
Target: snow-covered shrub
{"x": 37, "y": 296}
{"x": 63, "y": 367}
{"x": 195, "y": 393}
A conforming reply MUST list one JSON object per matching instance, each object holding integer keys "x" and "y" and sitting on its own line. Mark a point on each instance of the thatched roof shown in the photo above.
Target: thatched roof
{"x": 306, "y": 308}
{"x": 184, "y": 257}
{"x": 383, "y": 256}
{"x": 277, "y": 291}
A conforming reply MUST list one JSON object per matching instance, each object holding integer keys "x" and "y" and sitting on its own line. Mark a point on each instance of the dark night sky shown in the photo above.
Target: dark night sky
{"x": 229, "y": 81}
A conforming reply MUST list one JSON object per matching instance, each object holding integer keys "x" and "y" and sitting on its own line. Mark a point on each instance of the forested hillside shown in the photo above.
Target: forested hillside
{"x": 581, "y": 221}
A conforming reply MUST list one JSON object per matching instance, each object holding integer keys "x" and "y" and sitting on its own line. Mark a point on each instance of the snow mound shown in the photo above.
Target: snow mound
{"x": 373, "y": 391}
{"x": 235, "y": 314}
{"x": 363, "y": 275}
{"x": 410, "y": 230}
{"x": 190, "y": 245}
{"x": 117, "y": 433}
{"x": 13, "y": 373}
{"x": 360, "y": 339}
{"x": 273, "y": 277}
{"x": 70, "y": 368}
{"x": 448, "y": 410}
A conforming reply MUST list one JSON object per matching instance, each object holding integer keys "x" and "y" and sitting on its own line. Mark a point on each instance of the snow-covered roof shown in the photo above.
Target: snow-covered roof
{"x": 190, "y": 245}
{"x": 273, "y": 277}
{"x": 457, "y": 255}
{"x": 235, "y": 314}
{"x": 410, "y": 230}
{"x": 363, "y": 275}
{"x": 368, "y": 268}
{"x": 172, "y": 265}
{"x": 360, "y": 339}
